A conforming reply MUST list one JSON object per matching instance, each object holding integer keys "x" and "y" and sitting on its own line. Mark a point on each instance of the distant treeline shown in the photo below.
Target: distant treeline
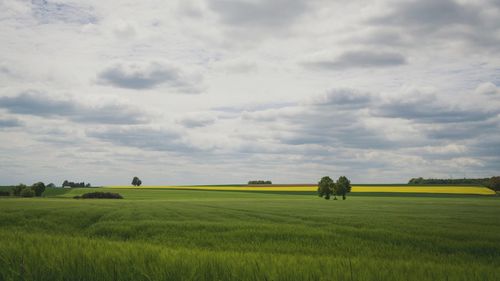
{"x": 493, "y": 182}
{"x": 75, "y": 184}
{"x": 449, "y": 181}
{"x": 260, "y": 182}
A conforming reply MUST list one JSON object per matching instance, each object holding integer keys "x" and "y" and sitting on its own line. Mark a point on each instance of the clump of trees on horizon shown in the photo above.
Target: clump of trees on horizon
{"x": 23, "y": 190}
{"x": 67, "y": 183}
{"x": 492, "y": 183}
{"x": 260, "y": 182}
{"x": 136, "y": 181}
{"x": 327, "y": 187}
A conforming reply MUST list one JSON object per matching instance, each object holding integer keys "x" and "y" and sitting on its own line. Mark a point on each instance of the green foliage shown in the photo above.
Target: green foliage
{"x": 464, "y": 181}
{"x": 99, "y": 195}
{"x": 27, "y": 192}
{"x": 260, "y": 182}
{"x": 71, "y": 184}
{"x": 204, "y": 235}
{"x": 326, "y": 187}
{"x": 4, "y": 193}
{"x": 16, "y": 190}
{"x": 342, "y": 187}
{"x": 51, "y": 185}
{"x": 136, "y": 181}
{"x": 38, "y": 188}
{"x": 494, "y": 183}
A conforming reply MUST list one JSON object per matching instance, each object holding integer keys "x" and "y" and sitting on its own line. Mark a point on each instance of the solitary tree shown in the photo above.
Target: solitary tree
{"x": 136, "y": 181}
{"x": 51, "y": 185}
{"x": 38, "y": 188}
{"x": 342, "y": 187}
{"x": 325, "y": 187}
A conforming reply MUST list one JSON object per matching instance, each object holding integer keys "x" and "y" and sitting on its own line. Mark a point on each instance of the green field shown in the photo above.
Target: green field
{"x": 160, "y": 234}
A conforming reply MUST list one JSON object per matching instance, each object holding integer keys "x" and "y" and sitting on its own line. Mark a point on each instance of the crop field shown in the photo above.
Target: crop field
{"x": 438, "y": 189}
{"x": 174, "y": 234}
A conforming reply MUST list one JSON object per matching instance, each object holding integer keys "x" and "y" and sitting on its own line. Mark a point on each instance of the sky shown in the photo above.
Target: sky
{"x": 226, "y": 91}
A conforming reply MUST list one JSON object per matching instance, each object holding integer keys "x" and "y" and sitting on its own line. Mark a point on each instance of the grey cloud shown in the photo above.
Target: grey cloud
{"x": 143, "y": 138}
{"x": 10, "y": 123}
{"x": 344, "y": 99}
{"x": 50, "y": 11}
{"x": 138, "y": 77}
{"x": 196, "y": 121}
{"x": 331, "y": 121}
{"x": 434, "y": 20}
{"x": 432, "y": 13}
{"x": 39, "y": 104}
{"x": 462, "y": 130}
{"x": 359, "y": 59}
{"x": 260, "y": 13}
{"x": 431, "y": 111}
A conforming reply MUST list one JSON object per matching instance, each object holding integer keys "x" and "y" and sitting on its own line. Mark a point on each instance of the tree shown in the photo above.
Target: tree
{"x": 342, "y": 187}
{"x": 65, "y": 183}
{"x": 16, "y": 191}
{"x": 494, "y": 183}
{"x": 38, "y": 188}
{"x": 27, "y": 192}
{"x": 325, "y": 187}
{"x": 136, "y": 181}
{"x": 51, "y": 185}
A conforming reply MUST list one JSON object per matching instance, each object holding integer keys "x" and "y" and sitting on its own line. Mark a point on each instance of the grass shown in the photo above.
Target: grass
{"x": 164, "y": 234}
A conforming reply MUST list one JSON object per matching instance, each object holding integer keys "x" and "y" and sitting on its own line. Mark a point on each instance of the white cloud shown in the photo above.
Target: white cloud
{"x": 396, "y": 90}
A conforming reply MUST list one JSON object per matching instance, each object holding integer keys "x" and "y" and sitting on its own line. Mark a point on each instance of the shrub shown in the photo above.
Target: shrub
{"x": 100, "y": 195}
{"x": 4, "y": 193}
{"x": 27, "y": 192}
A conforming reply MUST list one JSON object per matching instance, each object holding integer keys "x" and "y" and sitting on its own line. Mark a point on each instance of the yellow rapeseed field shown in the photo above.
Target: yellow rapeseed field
{"x": 355, "y": 188}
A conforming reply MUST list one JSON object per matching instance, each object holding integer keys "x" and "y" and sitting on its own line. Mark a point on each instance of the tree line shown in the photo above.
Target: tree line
{"x": 67, "y": 183}
{"x": 492, "y": 183}
{"x": 260, "y": 182}
{"x": 327, "y": 187}
{"x": 23, "y": 190}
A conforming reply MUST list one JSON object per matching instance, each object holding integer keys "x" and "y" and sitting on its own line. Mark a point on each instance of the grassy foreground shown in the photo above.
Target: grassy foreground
{"x": 158, "y": 234}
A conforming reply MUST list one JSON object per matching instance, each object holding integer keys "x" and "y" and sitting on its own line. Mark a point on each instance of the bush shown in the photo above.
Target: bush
{"x": 99, "y": 195}
{"x": 4, "y": 193}
{"x": 27, "y": 192}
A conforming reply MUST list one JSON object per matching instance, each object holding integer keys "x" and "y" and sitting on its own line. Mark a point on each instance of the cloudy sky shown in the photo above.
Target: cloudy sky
{"x": 224, "y": 91}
